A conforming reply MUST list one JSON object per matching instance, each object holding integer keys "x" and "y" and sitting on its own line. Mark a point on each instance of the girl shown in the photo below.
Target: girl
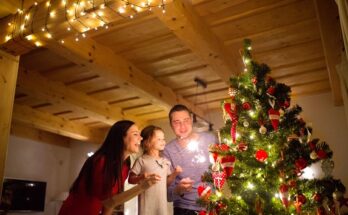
{"x": 154, "y": 200}
{"x": 103, "y": 174}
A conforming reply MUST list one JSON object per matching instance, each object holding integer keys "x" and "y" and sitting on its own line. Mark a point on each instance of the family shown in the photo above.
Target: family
{"x": 164, "y": 172}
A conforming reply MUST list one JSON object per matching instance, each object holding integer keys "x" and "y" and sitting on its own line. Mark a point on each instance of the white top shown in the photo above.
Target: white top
{"x": 153, "y": 201}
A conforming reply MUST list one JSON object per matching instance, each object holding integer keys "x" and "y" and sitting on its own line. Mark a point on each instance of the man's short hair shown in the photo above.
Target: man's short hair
{"x": 176, "y": 108}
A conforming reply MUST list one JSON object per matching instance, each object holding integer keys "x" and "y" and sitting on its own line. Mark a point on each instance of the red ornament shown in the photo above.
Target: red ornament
{"x": 223, "y": 147}
{"x": 215, "y": 155}
{"x": 204, "y": 191}
{"x": 274, "y": 116}
{"x": 220, "y": 206}
{"x": 300, "y": 200}
{"x": 312, "y": 145}
{"x": 227, "y": 163}
{"x": 284, "y": 194}
{"x": 300, "y": 164}
{"x": 261, "y": 155}
{"x": 231, "y": 109}
{"x": 254, "y": 80}
{"x": 317, "y": 197}
{"x": 292, "y": 183}
{"x": 287, "y": 104}
{"x": 219, "y": 179}
{"x": 271, "y": 90}
{"x": 246, "y": 106}
{"x": 242, "y": 147}
{"x": 321, "y": 154}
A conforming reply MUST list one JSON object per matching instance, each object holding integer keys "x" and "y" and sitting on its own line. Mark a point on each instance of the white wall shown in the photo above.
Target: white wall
{"x": 31, "y": 160}
{"x": 330, "y": 125}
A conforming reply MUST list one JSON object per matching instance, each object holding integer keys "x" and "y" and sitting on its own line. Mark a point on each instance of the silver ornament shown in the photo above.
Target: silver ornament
{"x": 246, "y": 124}
{"x": 337, "y": 195}
{"x": 263, "y": 130}
{"x": 313, "y": 155}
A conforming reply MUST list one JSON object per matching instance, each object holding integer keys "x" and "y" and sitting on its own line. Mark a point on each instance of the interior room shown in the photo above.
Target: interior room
{"x": 70, "y": 69}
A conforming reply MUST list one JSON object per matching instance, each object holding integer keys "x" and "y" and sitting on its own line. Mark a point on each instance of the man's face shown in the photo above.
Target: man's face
{"x": 181, "y": 124}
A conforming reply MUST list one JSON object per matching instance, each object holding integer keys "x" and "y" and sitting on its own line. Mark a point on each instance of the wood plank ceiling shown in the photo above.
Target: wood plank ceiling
{"x": 138, "y": 68}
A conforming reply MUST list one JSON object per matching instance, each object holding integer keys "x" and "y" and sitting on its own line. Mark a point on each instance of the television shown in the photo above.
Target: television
{"x": 23, "y": 195}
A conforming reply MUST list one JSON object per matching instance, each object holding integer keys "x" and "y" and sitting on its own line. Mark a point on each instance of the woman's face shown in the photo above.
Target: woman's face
{"x": 132, "y": 140}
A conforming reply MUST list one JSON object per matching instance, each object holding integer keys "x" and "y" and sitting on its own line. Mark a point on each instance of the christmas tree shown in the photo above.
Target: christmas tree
{"x": 263, "y": 150}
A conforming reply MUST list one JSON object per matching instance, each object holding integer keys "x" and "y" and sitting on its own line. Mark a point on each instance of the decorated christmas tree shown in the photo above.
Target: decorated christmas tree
{"x": 263, "y": 150}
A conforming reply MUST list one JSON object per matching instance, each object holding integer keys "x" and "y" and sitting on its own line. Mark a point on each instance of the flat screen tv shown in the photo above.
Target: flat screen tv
{"x": 23, "y": 195}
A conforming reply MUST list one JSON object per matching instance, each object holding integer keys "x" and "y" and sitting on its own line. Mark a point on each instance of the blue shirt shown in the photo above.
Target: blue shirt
{"x": 194, "y": 160}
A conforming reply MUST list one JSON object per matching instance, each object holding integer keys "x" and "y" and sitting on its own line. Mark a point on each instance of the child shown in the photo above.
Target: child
{"x": 154, "y": 200}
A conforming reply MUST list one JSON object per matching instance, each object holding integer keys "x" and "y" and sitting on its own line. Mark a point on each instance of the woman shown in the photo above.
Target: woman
{"x": 103, "y": 175}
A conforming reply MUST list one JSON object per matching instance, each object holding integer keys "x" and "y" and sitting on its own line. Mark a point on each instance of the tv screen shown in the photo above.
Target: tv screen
{"x": 23, "y": 195}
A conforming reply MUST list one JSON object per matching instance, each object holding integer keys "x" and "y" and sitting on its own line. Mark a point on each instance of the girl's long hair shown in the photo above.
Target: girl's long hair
{"x": 112, "y": 151}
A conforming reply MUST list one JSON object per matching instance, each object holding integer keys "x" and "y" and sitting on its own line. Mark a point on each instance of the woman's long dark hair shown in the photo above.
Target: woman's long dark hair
{"x": 112, "y": 150}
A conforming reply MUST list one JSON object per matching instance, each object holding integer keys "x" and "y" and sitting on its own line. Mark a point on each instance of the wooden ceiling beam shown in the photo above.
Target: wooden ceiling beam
{"x": 186, "y": 24}
{"x": 55, "y": 124}
{"x": 56, "y": 92}
{"x": 101, "y": 59}
{"x": 331, "y": 38}
{"x": 22, "y": 130}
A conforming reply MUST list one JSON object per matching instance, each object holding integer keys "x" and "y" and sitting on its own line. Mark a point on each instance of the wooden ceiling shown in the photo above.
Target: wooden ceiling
{"x": 138, "y": 68}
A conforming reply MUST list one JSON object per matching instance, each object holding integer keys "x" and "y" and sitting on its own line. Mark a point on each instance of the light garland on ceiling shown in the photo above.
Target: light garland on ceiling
{"x": 81, "y": 17}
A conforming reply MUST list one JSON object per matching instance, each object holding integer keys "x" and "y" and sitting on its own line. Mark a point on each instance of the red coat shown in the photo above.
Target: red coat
{"x": 80, "y": 203}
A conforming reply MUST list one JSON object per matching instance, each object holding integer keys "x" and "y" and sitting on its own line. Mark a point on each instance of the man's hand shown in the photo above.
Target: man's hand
{"x": 178, "y": 170}
{"x": 185, "y": 185}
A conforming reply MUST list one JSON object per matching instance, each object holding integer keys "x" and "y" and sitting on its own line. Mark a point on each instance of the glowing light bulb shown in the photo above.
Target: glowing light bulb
{"x": 250, "y": 186}
{"x": 38, "y": 43}
{"x": 193, "y": 145}
{"x": 7, "y": 38}
{"x": 121, "y": 10}
{"x": 29, "y": 37}
{"x": 52, "y": 14}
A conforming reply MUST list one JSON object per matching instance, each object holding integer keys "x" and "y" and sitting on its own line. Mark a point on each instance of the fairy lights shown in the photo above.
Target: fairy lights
{"x": 81, "y": 16}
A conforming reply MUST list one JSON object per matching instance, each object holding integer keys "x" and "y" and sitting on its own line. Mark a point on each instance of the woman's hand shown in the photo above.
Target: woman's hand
{"x": 149, "y": 180}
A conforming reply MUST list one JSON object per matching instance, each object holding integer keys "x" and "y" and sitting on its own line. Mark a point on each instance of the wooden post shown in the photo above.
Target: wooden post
{"x": 331, "y": 37}
{"x": 8, "y": 78}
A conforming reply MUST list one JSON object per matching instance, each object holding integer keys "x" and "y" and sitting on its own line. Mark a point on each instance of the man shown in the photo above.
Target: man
{"x": 190, "y": 151}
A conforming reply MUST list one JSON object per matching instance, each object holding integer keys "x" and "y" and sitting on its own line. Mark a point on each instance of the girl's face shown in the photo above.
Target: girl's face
{"x": 132, "y": 140}
{"x": 157, "y": 142}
